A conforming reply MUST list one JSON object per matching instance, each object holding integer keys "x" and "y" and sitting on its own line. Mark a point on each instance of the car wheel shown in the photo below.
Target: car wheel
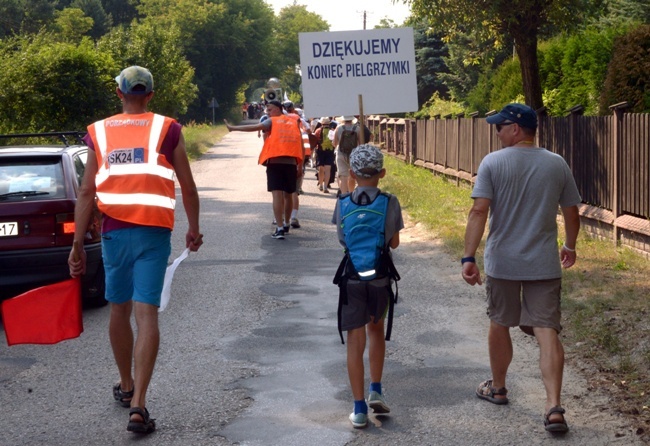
{"x": 92, "y": 293}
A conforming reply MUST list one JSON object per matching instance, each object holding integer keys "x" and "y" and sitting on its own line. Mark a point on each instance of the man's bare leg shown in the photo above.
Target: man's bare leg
{"x": 146, "y": 350}
{"x": 500, "y": 349}
{"x": 551, "y": 363}
{"x": 120, "y": 333}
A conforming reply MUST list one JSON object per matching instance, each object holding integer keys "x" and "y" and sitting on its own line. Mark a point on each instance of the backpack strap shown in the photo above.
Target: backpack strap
{"x": 392, "y": 300}
{"x": 393, "y": 277}
{"x": 341, "y": 279}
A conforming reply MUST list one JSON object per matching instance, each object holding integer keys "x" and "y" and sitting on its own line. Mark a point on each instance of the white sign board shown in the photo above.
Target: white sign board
{"x": 378, "y": 64}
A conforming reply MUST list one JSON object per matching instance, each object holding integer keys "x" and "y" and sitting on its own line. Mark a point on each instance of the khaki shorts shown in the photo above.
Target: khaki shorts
{"x": 528, "y": 303}
{"x": 343, "y": 164}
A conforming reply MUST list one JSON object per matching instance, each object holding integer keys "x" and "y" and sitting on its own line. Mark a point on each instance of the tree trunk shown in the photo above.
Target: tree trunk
{"x": 526, "y": 48}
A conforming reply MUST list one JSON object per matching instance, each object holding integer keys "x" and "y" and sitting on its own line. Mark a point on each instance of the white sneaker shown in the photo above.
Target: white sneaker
{"x": 359, "y": 420}
{"x": 377, "y": 403}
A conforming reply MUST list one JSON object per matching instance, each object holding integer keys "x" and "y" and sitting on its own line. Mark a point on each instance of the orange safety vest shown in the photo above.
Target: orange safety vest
{"x": 284, "y": 139}
{"x": 305, "y": 135}
{"x": 135, "y": 182}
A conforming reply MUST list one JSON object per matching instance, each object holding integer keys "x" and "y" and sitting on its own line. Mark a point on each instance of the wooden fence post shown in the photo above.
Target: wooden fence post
{"x": 491, "y": 139}
{"x": 575, "y": 111}
{"x": 458, "y": 118}
{"x": 436, "y": 128}
{"x": 542, "y": 126}
{"x": 472, "y": 154}
{"x": 619, "y": 112}
{"x": 446, "y": 145}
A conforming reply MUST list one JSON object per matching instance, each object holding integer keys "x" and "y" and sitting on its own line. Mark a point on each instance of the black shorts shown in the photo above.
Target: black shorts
{"x": 325, "y": 158}
{"x": 281, "y": 177}
{"x": 366, "y": 299}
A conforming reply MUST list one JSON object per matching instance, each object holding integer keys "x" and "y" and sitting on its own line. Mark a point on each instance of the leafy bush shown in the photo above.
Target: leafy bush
{"x": 478, "y": 98}
{"x": 507, "y": 85}
{"x": 627, "y": 74}
{"x": 573, "y": 69}
{"x": 53, "y": 86}
{"x": 154, "y": 47}
{"x": 437, "y": 106}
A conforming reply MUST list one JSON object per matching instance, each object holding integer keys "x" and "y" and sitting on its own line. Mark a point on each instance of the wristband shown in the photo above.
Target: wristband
{"x": 568, "y": 249}
{"x": 467, "y": 259}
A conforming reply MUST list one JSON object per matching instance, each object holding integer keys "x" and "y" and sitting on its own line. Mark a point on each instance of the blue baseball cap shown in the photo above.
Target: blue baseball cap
{"x": 518, "y": 113}
{"x": 133, "y": 76}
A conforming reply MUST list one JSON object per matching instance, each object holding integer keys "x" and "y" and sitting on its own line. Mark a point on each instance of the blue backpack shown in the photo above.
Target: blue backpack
{"x": 366, "y": 256}
{"x": 364, "y": 231}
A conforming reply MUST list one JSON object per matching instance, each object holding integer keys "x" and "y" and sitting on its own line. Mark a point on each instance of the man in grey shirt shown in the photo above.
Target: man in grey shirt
{"x": 521, "y": 187}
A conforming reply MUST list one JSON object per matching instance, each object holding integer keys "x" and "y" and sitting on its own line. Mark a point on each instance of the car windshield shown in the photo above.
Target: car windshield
{"x": 30, "y": 179}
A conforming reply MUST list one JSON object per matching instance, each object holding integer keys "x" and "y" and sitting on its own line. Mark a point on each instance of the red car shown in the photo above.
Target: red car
{"x": 38, "y": 192}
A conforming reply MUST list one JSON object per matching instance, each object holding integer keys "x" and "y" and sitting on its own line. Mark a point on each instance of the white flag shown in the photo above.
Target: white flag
{"x": 169, "y": 275}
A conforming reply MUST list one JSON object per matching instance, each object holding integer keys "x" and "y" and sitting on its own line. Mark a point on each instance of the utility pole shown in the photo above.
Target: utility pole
{"x": 365, "y": 14}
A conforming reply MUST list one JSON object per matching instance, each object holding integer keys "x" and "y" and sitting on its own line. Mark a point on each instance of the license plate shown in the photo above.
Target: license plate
{"x": 8, "y": 228}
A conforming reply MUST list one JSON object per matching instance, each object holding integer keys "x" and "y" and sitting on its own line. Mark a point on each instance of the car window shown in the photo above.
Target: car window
{"x": 80, "y": 160}
{"x": 27, "y": 179}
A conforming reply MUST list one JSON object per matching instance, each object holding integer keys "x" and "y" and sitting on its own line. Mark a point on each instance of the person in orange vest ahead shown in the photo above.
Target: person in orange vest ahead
{"x": 282, "y": 154}
{"x": 132, "y": 161}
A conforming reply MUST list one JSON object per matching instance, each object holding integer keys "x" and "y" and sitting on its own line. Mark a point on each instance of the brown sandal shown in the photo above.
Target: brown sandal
{"x": 555, "y": 426}
{"x": 485, "y": 391}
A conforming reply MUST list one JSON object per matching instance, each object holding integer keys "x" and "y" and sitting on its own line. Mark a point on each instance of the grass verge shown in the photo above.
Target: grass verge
{"x": 605, "y": 296}
{"x": 200, "y": 137}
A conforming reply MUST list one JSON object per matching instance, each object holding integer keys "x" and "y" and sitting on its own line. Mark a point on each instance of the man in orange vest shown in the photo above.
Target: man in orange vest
{"x": 282, "y": 154}
{"x": 131, "y": 164}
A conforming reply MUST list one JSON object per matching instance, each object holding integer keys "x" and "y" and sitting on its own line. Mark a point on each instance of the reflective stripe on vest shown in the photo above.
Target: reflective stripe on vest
{"x": 139, "y": 189}
{"x": 305, "y": 144}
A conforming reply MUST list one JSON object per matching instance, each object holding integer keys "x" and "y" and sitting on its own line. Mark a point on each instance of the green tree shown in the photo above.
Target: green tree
{"x": 156, "y": 48}
{"x": 520, "y": 20}
{"x": 53, "y": 86}
{"x": 627, "y": 75}
{"x": 386, "y": 22}
{"x": 430, "y": 52}
{"x": 618, "y": 12}
{"x": 506, "y": 85}
{"x": 71, "y": 24}
{"x": 573, "y": 68}
{"x": 291, "y": 21}
{"x": 11, "y": 12}
{"x": 121, "y": 12}
{"x": 102, "y": 22}
{"x": 36, "y": 15}
{"x": 229, "y": 43}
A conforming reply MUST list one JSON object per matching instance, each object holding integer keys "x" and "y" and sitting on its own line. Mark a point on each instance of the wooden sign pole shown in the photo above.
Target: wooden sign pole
{"x": 362, "y": 121}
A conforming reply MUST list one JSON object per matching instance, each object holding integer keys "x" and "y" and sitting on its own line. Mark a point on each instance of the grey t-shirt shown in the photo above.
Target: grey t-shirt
{"x": 525, "y": 186}
{"x": 394, "y": 221}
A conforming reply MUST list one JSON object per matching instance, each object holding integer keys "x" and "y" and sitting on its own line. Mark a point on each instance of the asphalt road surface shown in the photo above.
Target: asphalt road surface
{"x": 250, "y": 354}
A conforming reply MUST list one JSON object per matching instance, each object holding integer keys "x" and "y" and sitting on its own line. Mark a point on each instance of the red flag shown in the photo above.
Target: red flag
{"x": 44, "y": 315}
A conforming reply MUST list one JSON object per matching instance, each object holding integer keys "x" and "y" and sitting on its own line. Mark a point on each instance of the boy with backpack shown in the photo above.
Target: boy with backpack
{"x": 368, "y": 224}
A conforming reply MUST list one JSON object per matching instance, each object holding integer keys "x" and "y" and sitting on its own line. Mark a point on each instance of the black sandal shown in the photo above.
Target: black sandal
{"x": 122, "y": 397}
{"x": 558, "y": 427}
{"x": 146, "y": 426}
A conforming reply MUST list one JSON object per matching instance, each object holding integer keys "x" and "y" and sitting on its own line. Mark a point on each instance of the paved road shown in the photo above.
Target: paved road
{"x": 250, "y": 354}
